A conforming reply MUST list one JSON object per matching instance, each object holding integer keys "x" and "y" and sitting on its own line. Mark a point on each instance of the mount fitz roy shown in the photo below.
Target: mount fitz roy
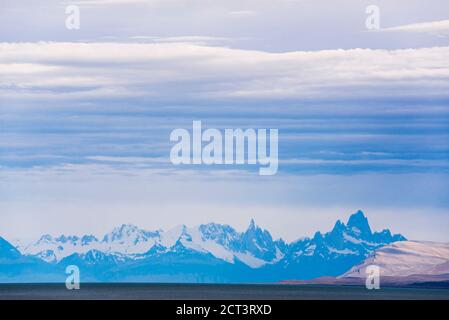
{"x": 206, "y": 253}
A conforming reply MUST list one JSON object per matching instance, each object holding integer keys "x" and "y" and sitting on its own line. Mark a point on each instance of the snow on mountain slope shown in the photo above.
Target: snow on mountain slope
{"x": 405, "y": 258}
{"x": 128, "y": 239}
{"x": 355, "y": 238}
{"x": 223, "y": 242}
{"x": 345, "y": 245}
{"x": 169, "y": 238}
{"x": 334, "y": 252}
{"x": 53, "y": 249}
{"x": 255, "y": 247}
{"x": 200, "y": 242}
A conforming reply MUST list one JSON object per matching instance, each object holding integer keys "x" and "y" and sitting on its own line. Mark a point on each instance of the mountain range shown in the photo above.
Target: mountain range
{"x": 206, "y": 253}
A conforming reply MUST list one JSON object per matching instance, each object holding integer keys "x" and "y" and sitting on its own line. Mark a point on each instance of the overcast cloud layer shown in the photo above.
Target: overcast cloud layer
{"x": 85, "y": 115}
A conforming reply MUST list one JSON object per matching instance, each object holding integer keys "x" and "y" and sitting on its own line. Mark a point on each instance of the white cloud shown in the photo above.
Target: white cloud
{"x": 439, "y": 27}
{"x": 186, "y": 71}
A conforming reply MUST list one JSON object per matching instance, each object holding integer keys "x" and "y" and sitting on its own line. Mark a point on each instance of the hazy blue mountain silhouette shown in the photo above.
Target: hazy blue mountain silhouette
{"x": 14, "y": 267}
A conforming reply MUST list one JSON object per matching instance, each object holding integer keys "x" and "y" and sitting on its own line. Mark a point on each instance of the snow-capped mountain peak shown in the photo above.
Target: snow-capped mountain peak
{"x": 254, "y": 247}
{"x": 46, "y": 238}
{"x": 222, "y": 234}
{"x": 358, "y": 223}
{"x": 128, "y": 239}
{"x": 252, "y": 225}
{"x": 125, "y": 231}
{"x": 88, "y": 239}
{"x": 337, "y": 250}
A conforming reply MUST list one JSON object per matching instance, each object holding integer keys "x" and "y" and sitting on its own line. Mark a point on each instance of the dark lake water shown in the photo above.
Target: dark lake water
{"x": 219, "y": 292}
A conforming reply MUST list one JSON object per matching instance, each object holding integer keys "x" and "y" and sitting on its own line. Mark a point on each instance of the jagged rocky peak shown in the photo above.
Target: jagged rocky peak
{"x": 254, "y": 246}
{"x": 339, "y": 226}
{"x": 259, "y": 242}
{"x": 255, "y": 231}
{"x": 220, "y": 233}
{"x": 358, "y": 223}
{"x": 252, "y": 225}
{"x": 318, "y": 236}
{"x": 125, "y": 231}
{"x": 88, "y": 239}
{"x": 46, "y": 238}
{"x": 63, "y": 239}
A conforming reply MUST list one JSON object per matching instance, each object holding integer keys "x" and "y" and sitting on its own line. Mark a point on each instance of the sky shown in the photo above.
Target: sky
{"x": 362, "y": 114}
